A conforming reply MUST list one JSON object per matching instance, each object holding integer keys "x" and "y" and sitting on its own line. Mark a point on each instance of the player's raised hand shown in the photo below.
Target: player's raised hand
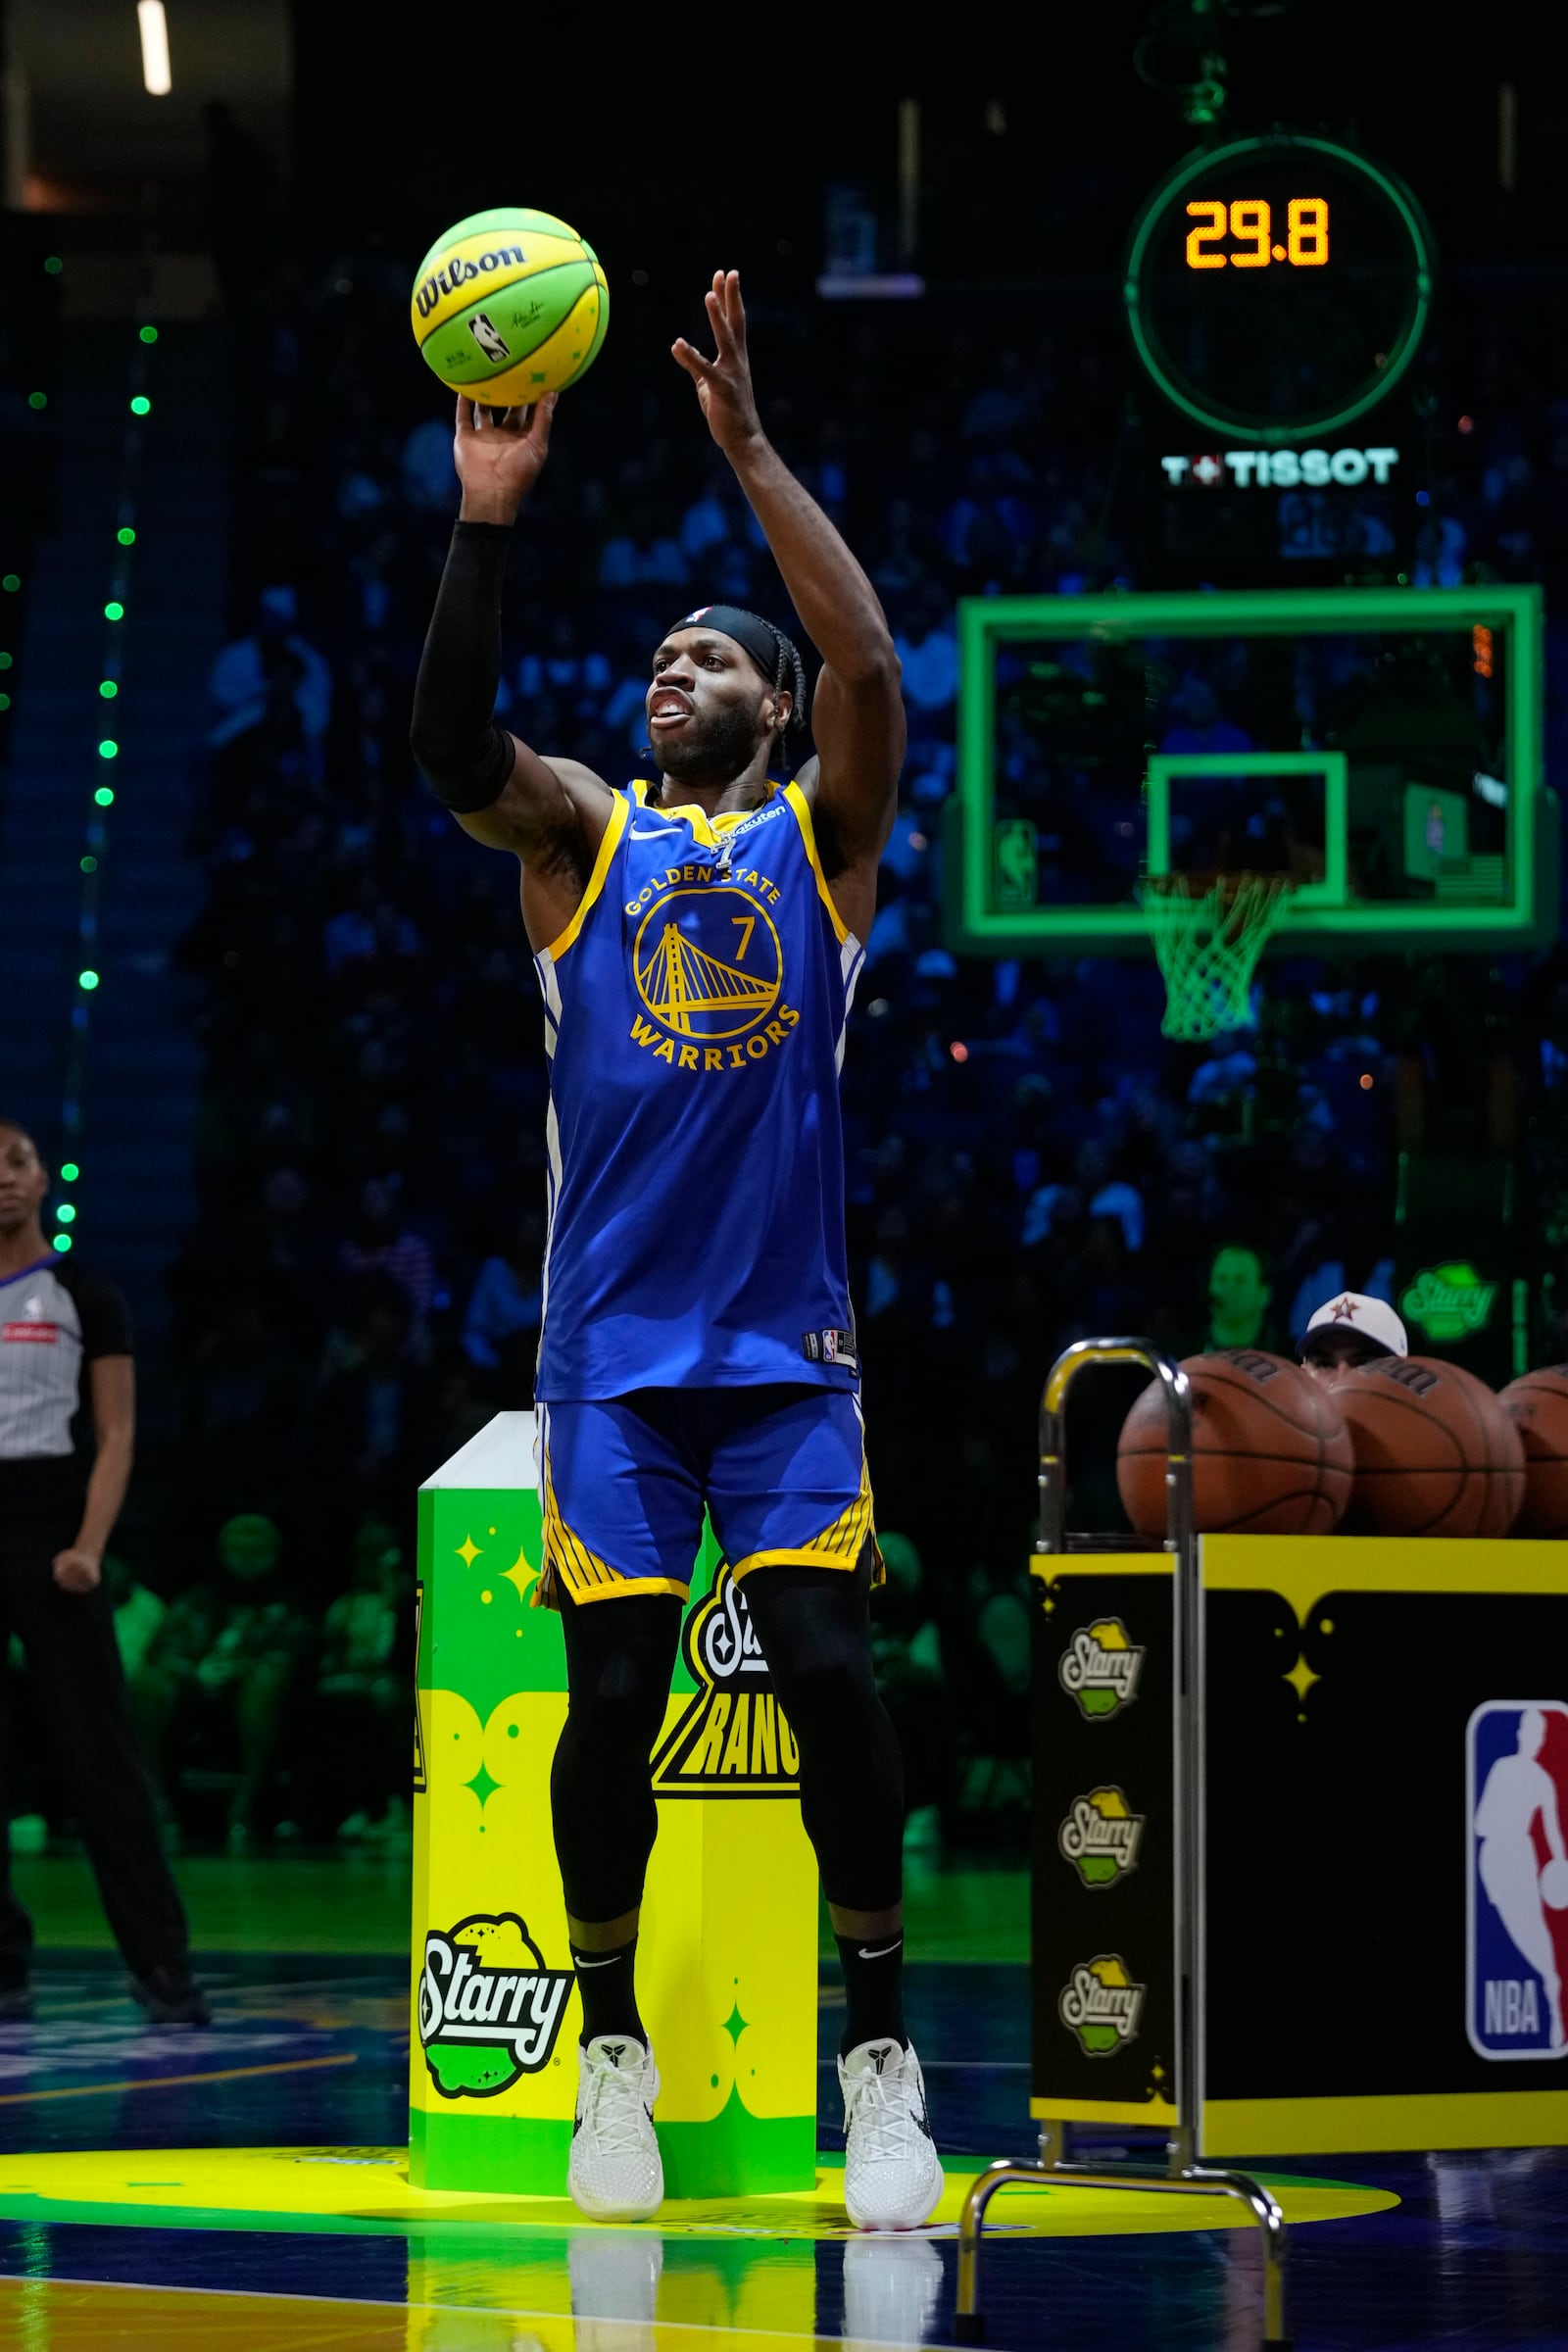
{"x": 724, "y": 382}
{"x": 500, "y": 456}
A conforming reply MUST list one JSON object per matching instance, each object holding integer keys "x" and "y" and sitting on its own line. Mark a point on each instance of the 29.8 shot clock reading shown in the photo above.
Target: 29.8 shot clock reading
{"x": 1250, "y": 221}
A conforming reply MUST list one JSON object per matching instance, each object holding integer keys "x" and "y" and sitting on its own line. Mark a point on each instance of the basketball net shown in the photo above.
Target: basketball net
{"x": 1208, "y": 946}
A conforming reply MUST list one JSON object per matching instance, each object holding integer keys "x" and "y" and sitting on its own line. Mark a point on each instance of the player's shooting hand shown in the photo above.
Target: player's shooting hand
{"x": 76, "y": 1571}
{"x": 500, "y": 456}
{"x": 724, "y": 382}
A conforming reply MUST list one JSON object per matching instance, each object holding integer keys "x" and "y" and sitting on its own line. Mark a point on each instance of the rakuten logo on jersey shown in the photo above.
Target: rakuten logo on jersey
{"x": 45, "y": 1334}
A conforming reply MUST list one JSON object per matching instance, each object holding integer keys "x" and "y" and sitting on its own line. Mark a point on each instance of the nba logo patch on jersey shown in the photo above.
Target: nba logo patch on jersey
{"x": 33, "y": 1328}
{"x": 1516, "y": 1795}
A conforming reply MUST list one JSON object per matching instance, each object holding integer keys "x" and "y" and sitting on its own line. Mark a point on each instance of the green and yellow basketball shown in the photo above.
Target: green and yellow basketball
{"x": 510, "y": 305}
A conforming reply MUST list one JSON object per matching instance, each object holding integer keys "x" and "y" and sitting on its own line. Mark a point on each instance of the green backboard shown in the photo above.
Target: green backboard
{"x": 1380, "y": 747}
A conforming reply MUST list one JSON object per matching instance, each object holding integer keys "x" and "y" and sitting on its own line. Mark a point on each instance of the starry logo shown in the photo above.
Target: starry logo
{"x": 733, "y": 1738}
{"x": 1100, "y": 1667}
{"x": 489, "y": 2009}
{"x": 1101, "y": 1837}
{"x": 1449, "y": 1303}
{"x": 1100, "y": 2003}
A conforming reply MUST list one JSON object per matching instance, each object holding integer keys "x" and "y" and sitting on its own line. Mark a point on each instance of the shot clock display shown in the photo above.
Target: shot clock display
{"x": 1278, "y": 287}
{"x": 1250, "y": 224}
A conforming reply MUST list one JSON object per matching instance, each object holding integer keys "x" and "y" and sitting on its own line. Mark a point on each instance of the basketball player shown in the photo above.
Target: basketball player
{"x": 64, "y": 1342}
{"x": 1350, "y": 1329}
{"x": 697, "y": 936}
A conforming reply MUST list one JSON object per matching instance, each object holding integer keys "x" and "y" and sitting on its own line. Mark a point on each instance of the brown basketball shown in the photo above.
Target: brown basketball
{"x": 1270, "y": 1453}
{"x": 1536, "y": 1403}
{"x": 1434, "y": 1452}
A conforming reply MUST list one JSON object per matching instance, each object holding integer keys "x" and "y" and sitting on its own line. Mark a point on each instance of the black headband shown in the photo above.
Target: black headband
{"x": 758, "y": 637}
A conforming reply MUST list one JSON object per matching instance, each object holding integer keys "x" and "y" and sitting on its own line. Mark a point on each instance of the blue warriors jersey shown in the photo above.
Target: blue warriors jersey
{"x": 694, "y": 1017}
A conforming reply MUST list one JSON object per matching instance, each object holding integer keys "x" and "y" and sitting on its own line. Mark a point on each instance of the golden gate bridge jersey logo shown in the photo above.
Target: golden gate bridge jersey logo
{"x": 707, "y": 961}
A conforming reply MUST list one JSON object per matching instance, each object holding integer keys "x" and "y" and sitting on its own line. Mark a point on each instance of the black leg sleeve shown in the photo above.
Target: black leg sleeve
{"x": 814, "y": 1625}
{"x": 621, "y": 1654}
{"x": 454, "y": 735}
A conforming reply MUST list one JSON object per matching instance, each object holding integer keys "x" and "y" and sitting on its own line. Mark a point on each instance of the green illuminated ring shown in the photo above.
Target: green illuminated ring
{"x": 1330, "y": 420}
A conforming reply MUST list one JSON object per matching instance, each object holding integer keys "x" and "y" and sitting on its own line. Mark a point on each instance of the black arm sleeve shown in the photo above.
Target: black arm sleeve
{"x": 465, "y": 756}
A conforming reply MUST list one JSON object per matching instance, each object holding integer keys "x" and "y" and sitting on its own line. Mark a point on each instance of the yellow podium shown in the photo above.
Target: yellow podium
{"x": 727, "y": 1954}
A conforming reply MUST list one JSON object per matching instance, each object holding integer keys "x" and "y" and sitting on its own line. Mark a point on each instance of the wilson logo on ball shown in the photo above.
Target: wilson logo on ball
{"x": 460, "y": 272}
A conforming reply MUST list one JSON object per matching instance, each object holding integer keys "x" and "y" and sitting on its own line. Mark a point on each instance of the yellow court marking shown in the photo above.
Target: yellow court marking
{"x": 225, "y": 2073}
{"x": 72, "y": 2315}
{"x": 369, "y": 2189}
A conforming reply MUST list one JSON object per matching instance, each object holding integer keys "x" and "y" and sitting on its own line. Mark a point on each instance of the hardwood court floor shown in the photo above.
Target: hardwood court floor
{"x": 307, "y": 1961}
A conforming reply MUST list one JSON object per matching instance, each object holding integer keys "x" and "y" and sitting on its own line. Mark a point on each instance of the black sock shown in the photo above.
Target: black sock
{"x": 873, "y": 1989}
{"x": 608, "y": 1986}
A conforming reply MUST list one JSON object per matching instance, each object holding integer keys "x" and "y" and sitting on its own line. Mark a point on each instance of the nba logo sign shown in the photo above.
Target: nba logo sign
{"x": 1516, "y": 1794}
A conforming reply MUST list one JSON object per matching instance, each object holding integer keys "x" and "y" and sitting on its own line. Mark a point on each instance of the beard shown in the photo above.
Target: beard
{"x": 712, "y": 753}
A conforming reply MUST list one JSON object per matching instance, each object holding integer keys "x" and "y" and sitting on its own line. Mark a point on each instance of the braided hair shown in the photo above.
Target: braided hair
{"x": 789, "y": 674}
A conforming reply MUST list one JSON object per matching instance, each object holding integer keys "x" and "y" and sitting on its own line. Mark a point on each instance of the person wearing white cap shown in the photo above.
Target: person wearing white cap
{"x": 1351, "y": 1329}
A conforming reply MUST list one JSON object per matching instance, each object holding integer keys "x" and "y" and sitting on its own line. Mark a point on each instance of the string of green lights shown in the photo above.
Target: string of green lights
{"x": 105, "y": 795}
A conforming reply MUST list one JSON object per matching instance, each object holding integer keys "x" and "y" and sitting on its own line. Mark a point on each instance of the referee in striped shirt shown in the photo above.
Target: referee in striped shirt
{"x": 65, "y": 1344}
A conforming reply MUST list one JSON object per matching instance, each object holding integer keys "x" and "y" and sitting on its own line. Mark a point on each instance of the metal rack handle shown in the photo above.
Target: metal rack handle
{"x": 1054, "y": 1437}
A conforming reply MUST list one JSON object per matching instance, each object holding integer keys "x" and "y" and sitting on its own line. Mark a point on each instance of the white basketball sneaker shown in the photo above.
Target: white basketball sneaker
{"x": 615, "y": 2174}
{"x": 892, "y": 2177}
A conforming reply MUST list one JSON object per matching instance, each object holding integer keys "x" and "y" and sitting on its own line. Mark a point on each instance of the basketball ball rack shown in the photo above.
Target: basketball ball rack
{"x": 1183, "y": 2173}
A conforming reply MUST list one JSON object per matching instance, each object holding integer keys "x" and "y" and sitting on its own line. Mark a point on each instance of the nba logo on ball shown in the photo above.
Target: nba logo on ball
{"x": 1516, "y": 1793}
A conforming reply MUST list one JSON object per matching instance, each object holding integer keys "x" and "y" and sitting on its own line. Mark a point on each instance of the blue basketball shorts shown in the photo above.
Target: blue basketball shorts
{"x": 624, "y": 1481}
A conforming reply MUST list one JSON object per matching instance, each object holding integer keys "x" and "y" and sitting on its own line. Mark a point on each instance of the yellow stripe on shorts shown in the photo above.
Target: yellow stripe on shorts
{"x": 839, "y": 1545}
{"x": 584, "y": 1574}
